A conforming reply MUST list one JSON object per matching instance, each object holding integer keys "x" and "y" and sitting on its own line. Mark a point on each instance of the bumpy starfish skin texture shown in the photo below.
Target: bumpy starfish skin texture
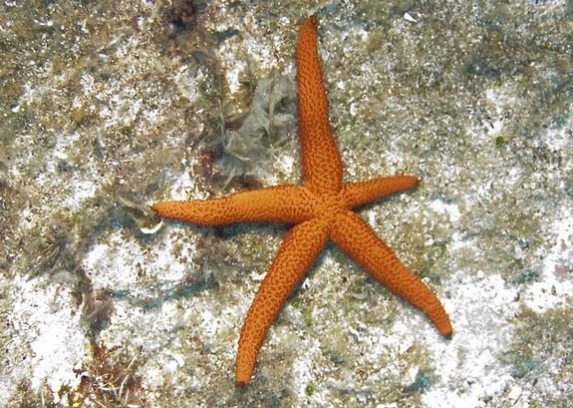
{"x": 321, "y": 210}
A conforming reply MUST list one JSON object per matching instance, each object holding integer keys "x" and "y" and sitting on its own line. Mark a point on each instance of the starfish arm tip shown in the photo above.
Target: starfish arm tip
{"x": 241, "y": 382}
{"x": 440, "y": 318}
{"x": 446, "y": 330}
{"x": 167, "y": 209}
{"x": 154, "y": 208}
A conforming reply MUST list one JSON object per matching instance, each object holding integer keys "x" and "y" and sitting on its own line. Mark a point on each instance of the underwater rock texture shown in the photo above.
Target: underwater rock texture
{"x": 108, "y": 106}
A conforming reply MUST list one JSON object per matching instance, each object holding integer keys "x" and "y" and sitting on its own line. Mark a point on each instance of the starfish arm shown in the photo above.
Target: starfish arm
{"x": 356, "y": 194}
{"x": 302, "y": 245}
{"x": 284, "y": 204}
{"x": 353, "y": 236}
{"x": 321, "y": 161}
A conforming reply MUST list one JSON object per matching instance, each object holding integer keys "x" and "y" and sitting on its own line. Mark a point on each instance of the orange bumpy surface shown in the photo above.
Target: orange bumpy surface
{"x": 321, "y": 210}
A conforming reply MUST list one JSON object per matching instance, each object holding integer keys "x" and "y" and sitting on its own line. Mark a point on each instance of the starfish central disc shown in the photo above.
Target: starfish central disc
{"x": 329, "y": 206}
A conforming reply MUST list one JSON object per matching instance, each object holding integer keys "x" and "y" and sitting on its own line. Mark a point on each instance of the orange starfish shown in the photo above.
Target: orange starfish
{"x": 321, "y": 209}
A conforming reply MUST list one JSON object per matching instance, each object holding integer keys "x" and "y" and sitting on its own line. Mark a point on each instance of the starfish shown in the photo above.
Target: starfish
{"x": 320, "y": 210}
